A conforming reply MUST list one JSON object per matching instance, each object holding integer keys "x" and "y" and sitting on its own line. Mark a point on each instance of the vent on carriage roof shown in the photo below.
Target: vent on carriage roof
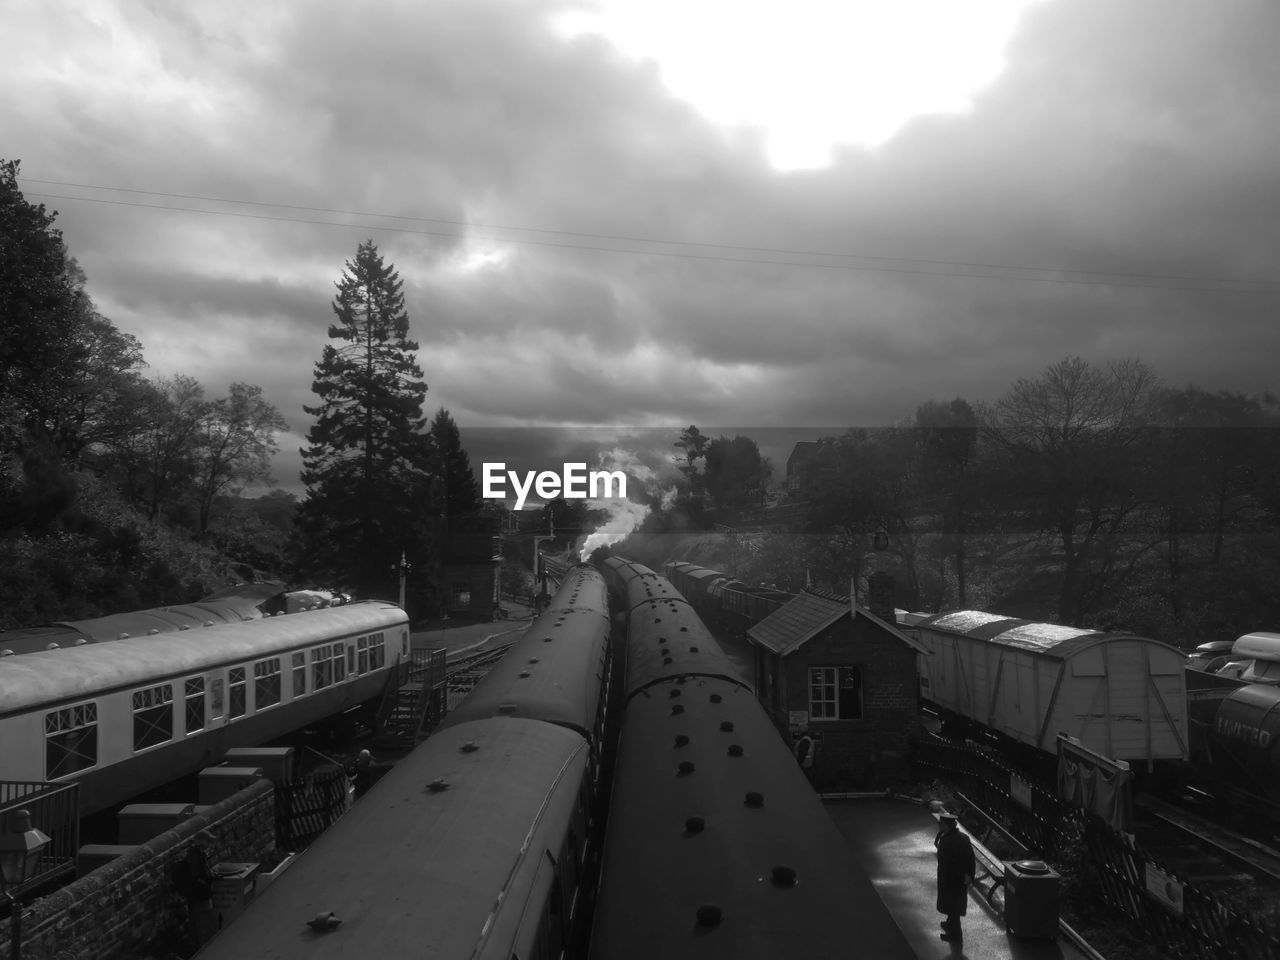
{"x": 709, "y": 915}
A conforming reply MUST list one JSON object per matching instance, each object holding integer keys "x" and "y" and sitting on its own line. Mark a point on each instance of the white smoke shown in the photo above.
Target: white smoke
{"x": 624, "y": 517}
{"x": 668, "y": 499}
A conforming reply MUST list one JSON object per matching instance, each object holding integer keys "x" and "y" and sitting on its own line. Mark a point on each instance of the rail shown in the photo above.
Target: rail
{"x": 1166, "y": 909}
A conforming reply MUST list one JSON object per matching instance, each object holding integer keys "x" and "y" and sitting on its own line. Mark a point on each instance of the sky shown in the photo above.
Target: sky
{"x": 650, "y": 214}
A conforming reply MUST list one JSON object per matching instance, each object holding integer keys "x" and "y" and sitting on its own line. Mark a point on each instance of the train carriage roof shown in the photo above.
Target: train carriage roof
{"x": 554, "y": 672}
{"x": 45, "y": 678}
{"x": 666, "y": 638}
{"x": 1051, "y": 640}
{"x": 581, "y": 588}
{"x": 1259, "y": 645}
{"x": 755, "y": 812}
{"x": 650, "y": 586}
{"x": 209, "y": 612}
{"x": 413, "y": 871}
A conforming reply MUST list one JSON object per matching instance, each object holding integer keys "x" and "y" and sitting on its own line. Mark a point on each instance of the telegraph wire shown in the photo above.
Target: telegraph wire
{"x": 668, "y": 253}
{"x": 631, "y": 239}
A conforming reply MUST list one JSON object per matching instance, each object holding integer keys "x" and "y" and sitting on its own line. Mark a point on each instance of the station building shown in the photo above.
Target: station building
{"x": 469, "y": 567}
{"x": 845, "y": 675}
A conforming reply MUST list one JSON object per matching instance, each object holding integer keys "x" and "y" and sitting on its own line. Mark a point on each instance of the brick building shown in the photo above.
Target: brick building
{"x": 469, "y": 567}
{"x": 827, "y": 665}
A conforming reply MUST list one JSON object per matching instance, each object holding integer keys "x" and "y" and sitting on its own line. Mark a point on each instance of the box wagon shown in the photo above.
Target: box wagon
{"x": 1123, "y": 696}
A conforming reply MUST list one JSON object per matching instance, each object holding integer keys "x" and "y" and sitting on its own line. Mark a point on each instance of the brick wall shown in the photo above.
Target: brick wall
{"x": 869, "y": 753}
{"x": 122, "y": 910}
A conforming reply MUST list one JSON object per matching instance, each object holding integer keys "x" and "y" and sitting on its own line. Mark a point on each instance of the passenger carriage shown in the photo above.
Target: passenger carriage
{"x": 124, "y": 717}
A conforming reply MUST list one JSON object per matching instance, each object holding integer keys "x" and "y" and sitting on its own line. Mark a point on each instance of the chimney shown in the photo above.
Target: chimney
{"x": 880, "y": 589}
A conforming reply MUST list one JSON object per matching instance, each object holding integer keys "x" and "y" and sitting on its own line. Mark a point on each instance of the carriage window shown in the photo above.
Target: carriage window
{"x": 71, "y": 740}
{"x": 377, "y": 651}
{"x": 835, "y": 693}
{"x": 351, "y": 660}
{"x": 327, "y": 663}
{"x": 193, "y": 691}
{"x": 236, "y": 689}
{"x": 362, "y": 655}
{"x": 152, "y": 716}
{"x": 266, "y": 683}
{"x": 299, "y": 674}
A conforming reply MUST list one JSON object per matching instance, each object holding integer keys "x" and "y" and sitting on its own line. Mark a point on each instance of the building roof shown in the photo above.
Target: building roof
{"x": 806, "y": 615}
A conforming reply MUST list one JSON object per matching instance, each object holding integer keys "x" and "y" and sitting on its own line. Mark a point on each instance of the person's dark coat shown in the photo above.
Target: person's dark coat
{"x": 956, "y": 867}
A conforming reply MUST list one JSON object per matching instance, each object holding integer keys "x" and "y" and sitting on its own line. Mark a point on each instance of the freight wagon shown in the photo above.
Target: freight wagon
{"x": 1122, "y": 696}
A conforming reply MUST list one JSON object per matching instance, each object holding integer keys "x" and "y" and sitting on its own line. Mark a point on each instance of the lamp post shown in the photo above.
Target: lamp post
{"x": 403, "y": 567}
{"x": 20, "y": 851}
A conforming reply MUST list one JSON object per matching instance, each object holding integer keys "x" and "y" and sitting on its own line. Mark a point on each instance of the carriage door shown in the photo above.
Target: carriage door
{"x": 217, "y": 716}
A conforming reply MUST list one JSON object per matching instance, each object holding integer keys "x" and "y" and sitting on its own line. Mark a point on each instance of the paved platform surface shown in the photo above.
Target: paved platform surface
{"x": 892, "y": 840}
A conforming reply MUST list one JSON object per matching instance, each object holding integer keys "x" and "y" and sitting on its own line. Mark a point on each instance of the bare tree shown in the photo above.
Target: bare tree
{"x": 1072, "y": 441}
{"x": 236, "y": 443}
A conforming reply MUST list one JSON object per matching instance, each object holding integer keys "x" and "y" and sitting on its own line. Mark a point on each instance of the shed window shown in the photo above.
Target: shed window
{"x": 70, "y": 740}
{"x": 835, "y": 693}
{"x": 193, "y": 691}
{"x": 152, "y": 716}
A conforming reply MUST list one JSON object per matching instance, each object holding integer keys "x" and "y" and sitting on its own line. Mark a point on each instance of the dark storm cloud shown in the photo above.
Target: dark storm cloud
{"x": 1108, "y": 195}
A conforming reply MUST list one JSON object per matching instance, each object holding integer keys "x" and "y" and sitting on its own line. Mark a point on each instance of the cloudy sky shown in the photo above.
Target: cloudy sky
{"x": 660, "y": 213}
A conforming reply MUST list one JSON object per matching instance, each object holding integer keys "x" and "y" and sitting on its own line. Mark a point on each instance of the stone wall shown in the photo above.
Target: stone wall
{"x": 130, "y": 908}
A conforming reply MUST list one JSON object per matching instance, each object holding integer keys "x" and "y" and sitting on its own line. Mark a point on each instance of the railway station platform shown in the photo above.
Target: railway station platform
{"x": 892, "y": 841}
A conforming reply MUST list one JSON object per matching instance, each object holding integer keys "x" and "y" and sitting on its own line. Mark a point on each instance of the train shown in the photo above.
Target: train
{"x": 233, "y": 605}
{"x": 123, "y": 717}
{"x": 483, "y": 842}
{"x": 1120, "y": 695}
{"x": 715, "y": 595}
{"x": 717, "y": 844}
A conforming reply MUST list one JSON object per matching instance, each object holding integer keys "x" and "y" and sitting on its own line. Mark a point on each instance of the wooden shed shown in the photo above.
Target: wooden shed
{"x": 828, "y": 667}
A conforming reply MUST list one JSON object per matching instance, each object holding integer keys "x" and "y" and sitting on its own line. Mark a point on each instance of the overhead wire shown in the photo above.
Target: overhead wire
{"x": 1178, "y": 282}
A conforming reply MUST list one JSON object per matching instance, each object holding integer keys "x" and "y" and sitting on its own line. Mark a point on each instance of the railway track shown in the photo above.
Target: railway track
{"x": 465, "y": 672}
{"x": 1243, "y": 873}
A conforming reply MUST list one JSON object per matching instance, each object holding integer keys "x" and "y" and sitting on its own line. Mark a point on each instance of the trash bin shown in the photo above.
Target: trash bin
{"x": 1030, "y": 899}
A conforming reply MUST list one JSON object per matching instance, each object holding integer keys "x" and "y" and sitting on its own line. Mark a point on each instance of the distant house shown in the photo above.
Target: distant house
{"x": 808, "y": 467}
{"x": 827, "y": 665}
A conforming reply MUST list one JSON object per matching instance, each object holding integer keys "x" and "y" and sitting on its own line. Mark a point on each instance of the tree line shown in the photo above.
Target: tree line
{"x": 119, "y": 491}
{"x": 1086, "y": 495}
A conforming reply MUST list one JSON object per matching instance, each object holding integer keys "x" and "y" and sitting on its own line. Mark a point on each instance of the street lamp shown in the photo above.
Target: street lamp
{"x": 20, "y": 851}
{"x": 403, "y": 568}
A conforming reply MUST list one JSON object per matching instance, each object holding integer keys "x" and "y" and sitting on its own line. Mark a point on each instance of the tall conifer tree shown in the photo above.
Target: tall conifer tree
{"x": 461, "y": 494}
{"x": 368, "y": 468}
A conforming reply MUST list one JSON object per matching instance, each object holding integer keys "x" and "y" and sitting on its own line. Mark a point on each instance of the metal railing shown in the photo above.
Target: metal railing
{"x": 55, "y": 809}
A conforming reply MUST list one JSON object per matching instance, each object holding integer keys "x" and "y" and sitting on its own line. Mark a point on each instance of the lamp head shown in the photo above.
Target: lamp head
{"x": 20, "y": 850}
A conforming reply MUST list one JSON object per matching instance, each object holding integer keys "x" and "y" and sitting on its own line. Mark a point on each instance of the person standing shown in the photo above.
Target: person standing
{"x": 805, "y": 747}
{"x": 956, "y": 867}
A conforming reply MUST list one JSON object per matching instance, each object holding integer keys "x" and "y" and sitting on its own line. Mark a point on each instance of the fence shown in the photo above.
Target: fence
{"x": 304, "y": 810}
{"x": 1166, "y": 909}
{"x": 55, "y": 810}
